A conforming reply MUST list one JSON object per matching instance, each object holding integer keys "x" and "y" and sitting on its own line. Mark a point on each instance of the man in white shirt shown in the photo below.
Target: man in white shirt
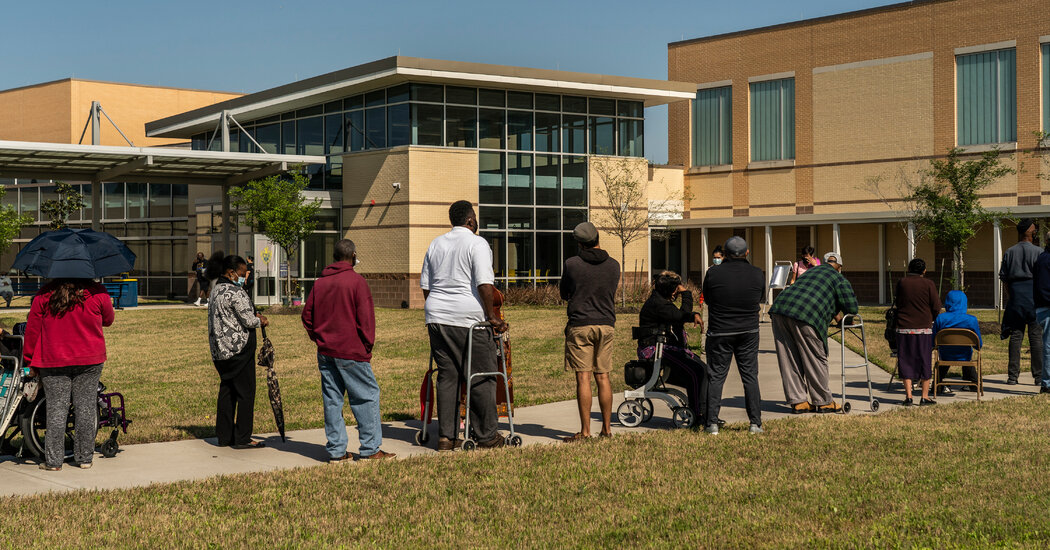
{"x": 458, "y": 284}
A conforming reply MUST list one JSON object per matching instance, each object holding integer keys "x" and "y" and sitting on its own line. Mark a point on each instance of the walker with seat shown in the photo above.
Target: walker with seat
{"x": 646, "y": 379}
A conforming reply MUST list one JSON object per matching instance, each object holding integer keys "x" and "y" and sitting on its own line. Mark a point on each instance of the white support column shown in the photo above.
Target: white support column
{"x": 836, "y": 244}
{"x": 748, "y": 236}
{"x": 226, "y": 222}
{"x": 683, "y": 241}
{"x": 911, "y": 243}
{"x": 997, "y": 257}
{"x": 96, "y": 206}
{"x": 882, "y": 263}
{"x": 769, "y": 262}
{"x": 813, "y": 236}
{"x": 705, "y": 252}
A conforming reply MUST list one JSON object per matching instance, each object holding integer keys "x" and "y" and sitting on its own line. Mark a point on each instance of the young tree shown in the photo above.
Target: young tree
{"x": 624, "y": 189}
{"x": 275, "y": 206}
{"x": 945, "y": 204}
{"x": 11, "y": 222}
{"x": 69, "y": 200}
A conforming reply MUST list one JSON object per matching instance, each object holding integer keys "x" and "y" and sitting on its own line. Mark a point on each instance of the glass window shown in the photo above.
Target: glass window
{"x": 574, "y": 182}
{"x": 159, "y": 200}
{"x": 160, "y": 229}
{"x": 986, "y": 97}
{"x": 159, "y": 258}
{"x": 548, "y": 218}
{"x": 572, "y": 104}
{"x": 519, "y": 218}
{"x": 426, "y": 124}
{"x": 490, "y": 179}
{"x": 427, "y": 92}
{"x": 355, "y": 130}
{"x": 569, "y": 247}
{"x": 137, "y": 229}
{"x": 30, "y": 203}
{"x": 633, "y": 109}
{"x": 246, "y": 141}
{"x": 603, "y": 135}
{"x": 309, "y": 111}
{"x": 269, "y": 136}
{"x": 460, "y": 124}
{"x": 519, "y": 100}
{"x": 398, "y": 124}
{"x": 138, "y": 248}
{"x": 519, "y": 130}
{"x": 356, "y": 102}
{"x": 519, "y": 178}
{"x": 48, "y": 193}
{"x": 575, "y": 132}
{"x": 548, "y": 254}
{"x": 113, "y": 195}
{"x": 548, "y": 102}
{"x": 773, "y": 120}
{"x": 491, "y": 128}
{"x": 713, "y": 126}
{"x": 180, "y": 200}
{"x": 375, "y": 98}
{"x": 1046, "y": 87}
{"x": 631, "y": 137}
{"x": 492, "y": 98}
{"x": 397, "y": 94}
{"x": 137, "y": 197}
{"x": 115, "y": 229}
{"x": 310, "y": 136}
{"x": 519, "y": 254}
{"x": 492, "y": 217}
{"x": 547, "y": 189}
{"x": 318, "y": 251}
{"x": 333, "y": 130}
{"x": 547, "y": 132}
{"x": 333, "y": 106}
{"x": 288, "y": 137}
{"x": 571, "y": 217}
{"x": 602, "y": 106}
{"x": 461, "y": 96}
{"x": 498, "y": 244}
{"x": 327, "y": 219}
{"x": 375, "y": 128}
{"x": 235, "y": 141}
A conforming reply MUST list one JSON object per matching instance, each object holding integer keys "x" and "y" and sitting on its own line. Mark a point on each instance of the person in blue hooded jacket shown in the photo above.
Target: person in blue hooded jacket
{"x": 955, "y": 316}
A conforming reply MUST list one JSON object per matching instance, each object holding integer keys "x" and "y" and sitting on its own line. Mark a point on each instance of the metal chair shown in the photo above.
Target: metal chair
{"x": 963, "y": 338}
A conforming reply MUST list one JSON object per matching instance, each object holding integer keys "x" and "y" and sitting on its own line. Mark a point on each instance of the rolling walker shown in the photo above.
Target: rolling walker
{"x": 854, "y": 324}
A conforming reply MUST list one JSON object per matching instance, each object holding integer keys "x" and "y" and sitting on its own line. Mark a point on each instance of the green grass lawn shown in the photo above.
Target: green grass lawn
{"x": 159, "y": 360}
{"x": 994, "y": 352}
{"x": 965, "y": 475}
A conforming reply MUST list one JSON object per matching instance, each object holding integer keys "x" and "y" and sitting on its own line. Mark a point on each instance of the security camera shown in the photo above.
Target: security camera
{"x": 397, "y": 185}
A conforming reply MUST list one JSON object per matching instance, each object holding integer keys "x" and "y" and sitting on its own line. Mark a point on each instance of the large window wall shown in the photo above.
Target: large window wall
{"x": 149, "y": 218}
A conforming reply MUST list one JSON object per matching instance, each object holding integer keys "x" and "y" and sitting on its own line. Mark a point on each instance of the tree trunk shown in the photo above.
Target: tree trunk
{"x": 623, "y": 274}
{"x": 959, "y": 270}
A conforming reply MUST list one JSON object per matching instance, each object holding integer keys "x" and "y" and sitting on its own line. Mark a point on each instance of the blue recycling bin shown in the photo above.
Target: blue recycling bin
{"x": 125, "y": 292}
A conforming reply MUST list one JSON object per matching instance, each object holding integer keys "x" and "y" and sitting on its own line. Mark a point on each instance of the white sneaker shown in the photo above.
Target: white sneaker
{"x": 711, "y": 429}
{"x": 756, "y": 429}
{"x": 198, "y": 302}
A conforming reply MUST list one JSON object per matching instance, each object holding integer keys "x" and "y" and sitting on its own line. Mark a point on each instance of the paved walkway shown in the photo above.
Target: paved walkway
{"x": 142, "y": 465}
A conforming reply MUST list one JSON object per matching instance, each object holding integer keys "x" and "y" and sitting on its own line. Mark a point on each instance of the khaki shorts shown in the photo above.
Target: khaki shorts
{"x": 589, "y": 349}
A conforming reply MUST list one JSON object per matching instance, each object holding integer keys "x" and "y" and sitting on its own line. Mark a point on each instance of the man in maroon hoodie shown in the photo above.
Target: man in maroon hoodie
{"x": 340, "y": 319}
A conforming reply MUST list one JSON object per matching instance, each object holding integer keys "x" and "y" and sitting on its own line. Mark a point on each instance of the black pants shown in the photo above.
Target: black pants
{"x": 720, "y": 351}
{"x": 968, "y": 373}
{"x": 1035, "y": 340}
{"x": 235, "y": 413}
{"x": 448, "y": 344}
{"x": 688, "y": 372}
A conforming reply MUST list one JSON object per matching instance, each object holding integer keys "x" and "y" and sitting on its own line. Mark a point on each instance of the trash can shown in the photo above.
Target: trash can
{"x": 125, "y": 292}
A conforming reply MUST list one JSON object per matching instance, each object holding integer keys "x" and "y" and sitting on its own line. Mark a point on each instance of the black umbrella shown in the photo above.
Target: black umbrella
{"x": 74, "y": 254}
{"x": 267, "y": 359}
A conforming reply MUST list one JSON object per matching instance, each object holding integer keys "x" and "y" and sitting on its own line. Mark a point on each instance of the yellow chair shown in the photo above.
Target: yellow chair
{"x": 958, "y": 337}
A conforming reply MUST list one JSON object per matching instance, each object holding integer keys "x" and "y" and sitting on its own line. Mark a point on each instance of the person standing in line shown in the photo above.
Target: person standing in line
{"x": 800, "y": 316}
{"x": 917, "y": 306}
{"x": 1016, "y": 273}
{"x": 1041, "y": 288}
{"x": 340, "y": 318}
{"x": 200, "y": 269}
{"x": 65, "y": 345}
{"x": 807, "y": 261}
{"x": 249, "y": 280}
{"x": 734, "y": 292}
{"x": 231, "y": 336}
{"x": 7, "y": 290}
{"x": 588, "y": 284}
{"x": 458, "y": 286}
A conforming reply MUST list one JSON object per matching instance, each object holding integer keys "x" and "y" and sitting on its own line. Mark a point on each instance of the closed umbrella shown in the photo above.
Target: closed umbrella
{"x": 267, "y": 359}
{"x": 74, "y": 254}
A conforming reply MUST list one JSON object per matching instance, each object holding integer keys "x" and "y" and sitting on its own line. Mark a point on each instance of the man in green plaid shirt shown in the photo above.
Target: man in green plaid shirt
{"x": 800, "y": 316}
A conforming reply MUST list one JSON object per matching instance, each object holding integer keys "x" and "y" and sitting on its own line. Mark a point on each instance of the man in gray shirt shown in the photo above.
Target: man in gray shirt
{"x": 1016, "y": 273}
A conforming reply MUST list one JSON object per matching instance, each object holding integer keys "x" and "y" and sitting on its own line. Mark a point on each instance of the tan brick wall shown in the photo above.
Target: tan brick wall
{"x": 37, "y": 113}
{"x": 438, "y": 177}
{"x": 771, "y": 192}
{"x": 635, "y": 256}
{"x": 379, "y": 230}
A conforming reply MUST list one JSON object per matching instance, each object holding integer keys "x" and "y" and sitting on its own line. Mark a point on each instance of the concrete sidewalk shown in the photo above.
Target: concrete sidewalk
{"x": 142, "y": 465}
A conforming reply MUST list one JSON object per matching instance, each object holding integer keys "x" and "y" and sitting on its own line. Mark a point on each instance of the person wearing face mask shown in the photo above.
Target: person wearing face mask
{"x": 717, "y": 256}
{"x": 231, "y": 335}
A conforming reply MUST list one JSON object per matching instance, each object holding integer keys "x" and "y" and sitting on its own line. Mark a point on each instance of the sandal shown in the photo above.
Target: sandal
{"x": 249, "y": 445}
{"x": 604, "y": 435}
{"x": 46, "y": 468}
{"x": 576, "y": 437}
{"x": 832, "y": 407}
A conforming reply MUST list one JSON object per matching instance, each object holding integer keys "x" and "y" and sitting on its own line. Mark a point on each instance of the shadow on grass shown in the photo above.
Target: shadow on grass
{"x": 198, "y": 432}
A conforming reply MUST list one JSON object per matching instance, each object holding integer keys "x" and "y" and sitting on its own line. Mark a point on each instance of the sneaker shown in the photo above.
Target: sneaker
{"x": 339, "y": 460}
{"x": 1011, "y": 382}
{"x": 378, "y": 455}
{"x": 803, "y": 407}
{"x": 711, "y": 429}
{"x": 756, "y": 429}
{"x": 945, "y": 391}
{"x": 445, "y": 444}
{"x": 908, "y": 401}
{"x": 198, "y": 302}
{"x": 496, "y": 442}
{"x": 832, "y": 407}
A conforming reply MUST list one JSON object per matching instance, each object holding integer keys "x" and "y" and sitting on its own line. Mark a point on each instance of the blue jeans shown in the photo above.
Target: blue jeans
{"x": 1042, "y": 316}
{"x": 356, "y": 381}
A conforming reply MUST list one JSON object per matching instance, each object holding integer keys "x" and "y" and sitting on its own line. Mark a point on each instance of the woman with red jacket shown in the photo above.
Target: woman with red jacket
{"x": 64, "y": 344}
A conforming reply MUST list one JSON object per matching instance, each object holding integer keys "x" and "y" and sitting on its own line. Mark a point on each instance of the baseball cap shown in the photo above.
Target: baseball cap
{"x": 585, "y": 233}
{"x": 735, "y": 246}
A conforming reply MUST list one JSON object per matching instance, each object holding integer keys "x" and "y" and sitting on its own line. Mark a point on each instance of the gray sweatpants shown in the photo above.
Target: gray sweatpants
{"x": 60, "y": 384}
{"x": 803, "y": 361}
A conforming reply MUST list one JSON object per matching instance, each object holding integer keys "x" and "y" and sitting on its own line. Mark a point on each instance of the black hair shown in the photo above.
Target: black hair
{"x": 460, "y": 212}
{"x": 917, "y": 266}
{"x": 1023, "y": 225}
{"x": 808, "y": 250}
{"x": 666, "y": 283}
{"x": 344, "y": 250}
{"x": 220, "y": 263}
{"x": 718, "y": 250}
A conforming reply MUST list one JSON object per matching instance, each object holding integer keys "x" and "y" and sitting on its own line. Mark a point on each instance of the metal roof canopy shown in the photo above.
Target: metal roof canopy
{"x": 104, "y": 163}
{"x": 399, "y": 69}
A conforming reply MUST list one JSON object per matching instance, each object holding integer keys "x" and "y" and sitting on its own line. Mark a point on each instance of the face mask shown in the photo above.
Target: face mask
{"x": 240, "y": 281}
{"x": 718, "y": 261}
{"x": 356, "y": 261}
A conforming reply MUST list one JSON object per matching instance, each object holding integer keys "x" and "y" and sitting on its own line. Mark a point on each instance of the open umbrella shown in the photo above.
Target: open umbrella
{"x": 267, "y": 359}
{"x": 74, "y": 254}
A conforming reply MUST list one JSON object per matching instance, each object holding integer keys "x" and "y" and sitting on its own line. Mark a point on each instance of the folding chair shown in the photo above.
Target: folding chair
{"x": 963, "y": 338}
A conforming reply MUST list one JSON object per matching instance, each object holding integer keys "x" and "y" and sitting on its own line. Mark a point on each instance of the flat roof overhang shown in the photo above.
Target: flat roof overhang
{"x": 822, "y": 219}
{"x": 60, "y": 161}
{"x": 396, "y": 70}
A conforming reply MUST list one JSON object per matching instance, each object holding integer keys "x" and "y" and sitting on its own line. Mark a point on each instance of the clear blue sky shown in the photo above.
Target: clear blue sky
{"x": 242, "y": 46}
